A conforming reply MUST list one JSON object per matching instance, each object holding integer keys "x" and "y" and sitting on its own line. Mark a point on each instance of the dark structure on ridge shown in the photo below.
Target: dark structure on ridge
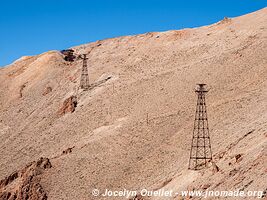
{"x": 84, "y": 84}
{"x": 69, "y": 55}
{"x": 200, "y": 153}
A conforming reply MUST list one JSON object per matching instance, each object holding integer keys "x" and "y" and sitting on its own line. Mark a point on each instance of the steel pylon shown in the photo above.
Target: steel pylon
{"x": 84, "y": 83}
{"x": 200, "y": 153}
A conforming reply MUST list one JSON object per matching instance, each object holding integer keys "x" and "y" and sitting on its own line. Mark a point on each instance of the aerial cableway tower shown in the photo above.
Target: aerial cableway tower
{"x": 200, "y": 153}
{"x": 84, "y": 82}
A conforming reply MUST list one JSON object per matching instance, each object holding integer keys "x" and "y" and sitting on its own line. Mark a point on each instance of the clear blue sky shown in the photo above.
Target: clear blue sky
{"x": 29, "y": 27}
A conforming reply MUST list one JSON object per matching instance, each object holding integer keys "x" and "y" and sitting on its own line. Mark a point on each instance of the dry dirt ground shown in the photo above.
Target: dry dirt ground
{"x": 133, "y": 130}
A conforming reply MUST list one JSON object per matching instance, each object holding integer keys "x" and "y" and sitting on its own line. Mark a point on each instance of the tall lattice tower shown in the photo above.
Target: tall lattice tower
{"x": 84, "y": 84}
{"x": 200, "y": 153}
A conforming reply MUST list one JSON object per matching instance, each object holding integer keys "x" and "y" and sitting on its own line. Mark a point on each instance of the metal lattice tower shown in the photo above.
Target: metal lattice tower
{"x": 200, "y": 153}
{"x": 84, "y": 84}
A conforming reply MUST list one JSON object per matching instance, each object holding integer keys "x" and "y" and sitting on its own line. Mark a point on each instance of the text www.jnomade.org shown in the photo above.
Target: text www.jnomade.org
{"x": 170, "y": 193}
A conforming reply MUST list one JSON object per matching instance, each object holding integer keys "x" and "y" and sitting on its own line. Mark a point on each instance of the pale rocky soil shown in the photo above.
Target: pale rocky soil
{"x": 107, "y": 141}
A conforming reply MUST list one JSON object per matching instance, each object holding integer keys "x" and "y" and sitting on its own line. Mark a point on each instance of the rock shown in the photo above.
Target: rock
{"x": 25, "y": 183}
{"x": 8, "y": 195}
{"x": 8, "y": 179}
{"x": 205, "y": 186}
{"x": 47, "y": 90}
{"x": 215, "y": 168}
{"x": 233, "y": 172}
{"x": 67, "y": 151}
{"x": 68, "y": 106}
{"x": 221, "y": 154}
{"x": 238, "y": 157}
{"x": 21, "y": 90}
{"x": 32, "y": 190}
{"x": 224, "y": 21}
{"x": 43, "y": 163}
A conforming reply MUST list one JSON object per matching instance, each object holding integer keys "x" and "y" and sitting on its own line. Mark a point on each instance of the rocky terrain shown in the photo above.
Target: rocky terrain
{"x": 25, "y": 184}
{"x": 132, "y": 129}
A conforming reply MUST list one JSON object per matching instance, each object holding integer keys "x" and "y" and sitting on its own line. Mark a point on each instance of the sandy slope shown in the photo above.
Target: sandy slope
{"x": 112, "y": 144}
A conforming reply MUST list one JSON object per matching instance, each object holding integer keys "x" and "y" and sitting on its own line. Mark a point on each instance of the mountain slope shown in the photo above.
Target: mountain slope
{"x": 133, "y": 129}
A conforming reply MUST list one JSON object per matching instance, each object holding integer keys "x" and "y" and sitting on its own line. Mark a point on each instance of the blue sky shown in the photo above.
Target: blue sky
{"x": 29, "y": 27}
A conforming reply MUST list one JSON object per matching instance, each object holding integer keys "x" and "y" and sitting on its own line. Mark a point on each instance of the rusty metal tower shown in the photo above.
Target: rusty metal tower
{"x": 84, "y": 84}
{"x": 200, "y": 153}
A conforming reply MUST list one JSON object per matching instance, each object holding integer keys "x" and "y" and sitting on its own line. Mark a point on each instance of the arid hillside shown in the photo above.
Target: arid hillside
{"x": 132, "y": 129}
